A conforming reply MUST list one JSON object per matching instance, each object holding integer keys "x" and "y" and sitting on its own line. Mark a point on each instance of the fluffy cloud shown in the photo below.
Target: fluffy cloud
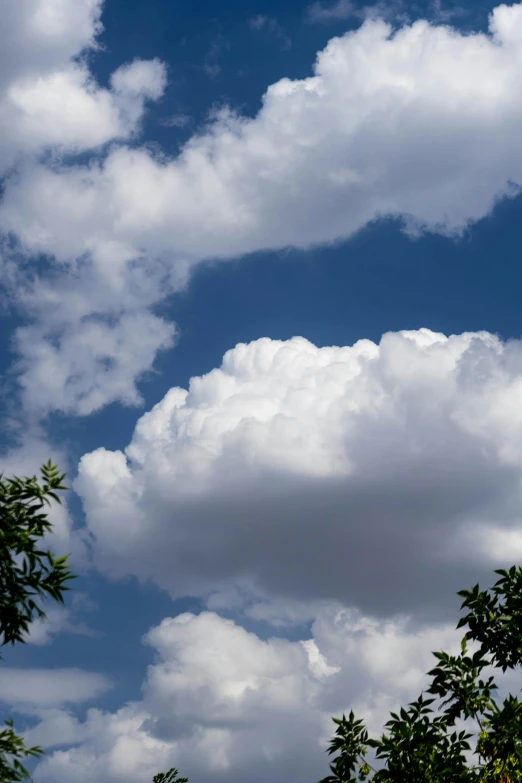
{"x": 50, "y": 102}
{"x": 48, "y": 99}
{"x": 222, "y": 704}
{"x": 42, "y": 34}
{"x": 318, "y": 162}
{"x": 423, "y": 124}
{"x": 89, "y": 363}
{"x": 37, "y": 688}
{"x": 347, "y": 473}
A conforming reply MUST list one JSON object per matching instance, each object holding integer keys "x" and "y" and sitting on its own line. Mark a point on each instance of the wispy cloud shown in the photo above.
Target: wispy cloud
{"x": 211, "y": 64}
{"x": 329, "y": 12}
{"x": 395, "y": 11}
{"x": 270, "y": 25}
{"x": 62, "y": 619}
{"x": 36, "y": 688}
{"x": 439, "y": 13}
{"x": 178, "y": 120}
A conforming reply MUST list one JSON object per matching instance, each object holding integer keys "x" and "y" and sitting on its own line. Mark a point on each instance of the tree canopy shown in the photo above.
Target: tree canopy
{"x": 26, "y": 573}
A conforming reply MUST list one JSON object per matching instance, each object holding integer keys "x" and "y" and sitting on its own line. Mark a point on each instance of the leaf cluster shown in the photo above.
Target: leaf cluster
{"x": 421, "y": 747}
{"x": 169, "y": 777}
{"x": 12, "y": 749}
{"x": 26, "y": 573}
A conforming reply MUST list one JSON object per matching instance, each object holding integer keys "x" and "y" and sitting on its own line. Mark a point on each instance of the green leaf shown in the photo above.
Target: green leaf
{"x": 422, "y": 746}
{"x": 41, "y": 575}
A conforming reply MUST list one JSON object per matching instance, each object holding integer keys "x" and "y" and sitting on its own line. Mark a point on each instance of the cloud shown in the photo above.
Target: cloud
{"x": 90, "y": 363}
{"x": 62, "y": 619}
{"x": 135, "y": 83}
{"x": 50, "y": 104}
{"x": 394, "y": 11}
{"x": 305, "y": 472}
{"x": 342, "y": 9}
{"x": 421, "y": 124}
{"x": 48, "y": 97}
{"x": 40, "y": 34}
{"x": 272, "y": 27}
{"x": 222, "y": 704}
{"x": 179, "y": 120}
{"x": 211, "y": 65}
{"x": 315, "y": 165}
{"x": 28, "y": 689}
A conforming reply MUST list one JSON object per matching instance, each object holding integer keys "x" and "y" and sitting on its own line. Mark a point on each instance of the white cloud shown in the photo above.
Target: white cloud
{"x": 48, "y": 98}
{"x": 42, "y": 34}
{"x": 135, "y": 83}
{"x": 142, "y": 78}
{"x": 221, "y": 704}
{"x": 347, "y": 473}
{"x": 89, "y": 363}
{"x": 50, "y": 103}
{"x": 317, "y": 163}
{"x": 30, "y": 689}
{"x": 423, "y": 124}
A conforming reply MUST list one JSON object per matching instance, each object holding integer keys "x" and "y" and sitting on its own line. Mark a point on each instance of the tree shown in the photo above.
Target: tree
{"x": 422, "y": 748}
{"x": 26, "y": 573}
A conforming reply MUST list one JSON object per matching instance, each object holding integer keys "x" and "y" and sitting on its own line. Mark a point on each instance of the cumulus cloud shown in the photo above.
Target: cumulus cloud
{"x": 222, "y": 704}
{"x": 318, "y": 162}
{"x": 37, "y": 688}
{"x": 51, "y": 103}
{"x": 421, "y": 124}
{"x": 91, "y": 333}
{"x": 48, "y": 98}
{"x": 89, "y": 363}
{"x": 41, "y": 34}
{"x": 348, "y": 473}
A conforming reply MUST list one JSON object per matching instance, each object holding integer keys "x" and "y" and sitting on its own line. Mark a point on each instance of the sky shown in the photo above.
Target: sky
{"x": 261, "y": 301}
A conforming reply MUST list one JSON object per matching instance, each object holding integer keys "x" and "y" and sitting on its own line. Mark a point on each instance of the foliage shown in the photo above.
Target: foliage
{"x": 420, "y": 747}
{"x": 12, "y": 749}
{"x": 26, "y": 573}
{"x": 169, "y": 777}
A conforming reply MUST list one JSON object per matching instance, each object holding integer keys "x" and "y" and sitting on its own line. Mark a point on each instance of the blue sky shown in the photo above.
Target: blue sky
{"x": 266, "y": 314}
